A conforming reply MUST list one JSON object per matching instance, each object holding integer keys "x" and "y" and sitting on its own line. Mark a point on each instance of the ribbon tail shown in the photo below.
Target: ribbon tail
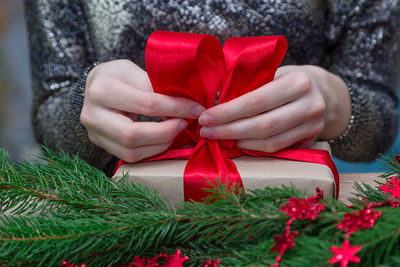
{"x": 205, "y": 167}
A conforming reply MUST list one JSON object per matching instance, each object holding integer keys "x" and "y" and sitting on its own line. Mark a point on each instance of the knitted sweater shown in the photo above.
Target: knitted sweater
{"x": 357, "y": 40}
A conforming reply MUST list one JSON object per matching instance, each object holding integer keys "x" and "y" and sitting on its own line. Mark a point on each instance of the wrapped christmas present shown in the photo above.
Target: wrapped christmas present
{"x": 166, "y": 176}
{"x": 198, "y": 68}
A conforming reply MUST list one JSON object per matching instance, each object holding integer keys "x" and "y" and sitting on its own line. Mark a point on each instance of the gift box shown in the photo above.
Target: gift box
{"x": 166, "y": 176}
{"x": 201, "y": 71}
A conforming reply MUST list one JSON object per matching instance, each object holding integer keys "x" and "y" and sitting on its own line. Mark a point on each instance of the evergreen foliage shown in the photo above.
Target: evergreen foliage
{"x": 60, "y": 208}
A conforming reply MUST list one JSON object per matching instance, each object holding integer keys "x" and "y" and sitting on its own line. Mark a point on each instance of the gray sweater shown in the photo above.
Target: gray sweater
{"x": 355, "y": 39}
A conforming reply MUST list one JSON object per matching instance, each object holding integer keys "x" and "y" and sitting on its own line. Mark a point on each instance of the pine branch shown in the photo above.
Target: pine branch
{"x": 60, "y": 208}
{"x": 123, "y": 217}
{"x": 72, "y": 185}
{"x": 367, "y": 193}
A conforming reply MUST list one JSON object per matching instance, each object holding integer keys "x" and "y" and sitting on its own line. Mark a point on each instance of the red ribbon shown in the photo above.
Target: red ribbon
{"x": 195, "y": 66}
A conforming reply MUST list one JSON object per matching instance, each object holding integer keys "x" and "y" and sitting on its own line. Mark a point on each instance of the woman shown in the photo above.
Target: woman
{"x": 336, "y": 81}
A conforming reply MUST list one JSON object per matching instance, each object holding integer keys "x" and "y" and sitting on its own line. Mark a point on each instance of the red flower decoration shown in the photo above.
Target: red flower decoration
{"x": 319, "y": 195}
{"x": 357, "y": 220}
{"x": 297, "y": 209}
{"x": 176, "y": 260}
{"x": 303, "y": 208}
{"x": 143, "y": 262}
{"x": 210, "y": 263}
{"x": 395, "y": 204}
{"x": 284, "y": 242}
{"x": 345, "y": 254}
{"x": 394, "y": 190}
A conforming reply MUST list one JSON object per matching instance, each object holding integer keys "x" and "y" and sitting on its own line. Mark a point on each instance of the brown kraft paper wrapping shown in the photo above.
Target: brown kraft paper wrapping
{"x": 166, "y": 176}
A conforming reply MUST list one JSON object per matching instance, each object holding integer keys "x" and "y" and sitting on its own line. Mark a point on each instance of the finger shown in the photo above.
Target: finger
{"x": 135, "y": 76}
{"x": 305, "y": 133}
{"x": 266, "y": 124}
{"x": 129, "y": 154}
{"x": 132, "y": 134}
{"x": 267, "y": 97}
{"x": 285, "y": 69}
{"x": 126, "y": 71}
{"x": 118, "y": 95}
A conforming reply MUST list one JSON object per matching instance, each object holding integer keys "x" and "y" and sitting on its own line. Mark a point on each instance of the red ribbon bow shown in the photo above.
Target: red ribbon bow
{"x": 195, "y": 66}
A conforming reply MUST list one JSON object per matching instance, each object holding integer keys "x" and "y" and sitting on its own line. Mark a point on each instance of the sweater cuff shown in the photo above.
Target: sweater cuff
{"x": 93, "y": 154}
{"x": 354, "y": 118}
{"x": 82, "y": 81}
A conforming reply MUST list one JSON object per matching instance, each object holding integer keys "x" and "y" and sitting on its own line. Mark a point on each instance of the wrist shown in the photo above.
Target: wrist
{"x": 87, "y": 74}
{"x": 338, "y": 103}
{"x": 354, "y": 117}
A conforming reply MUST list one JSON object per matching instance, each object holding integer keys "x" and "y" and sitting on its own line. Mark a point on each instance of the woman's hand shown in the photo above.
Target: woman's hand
{"x": 301, "y": 104}
{"x": 115, "y": 92}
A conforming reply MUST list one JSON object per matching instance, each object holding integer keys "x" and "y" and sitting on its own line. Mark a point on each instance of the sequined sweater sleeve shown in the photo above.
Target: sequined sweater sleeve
{"x": 60, "y": 49}
{"x": 363, "y": 45}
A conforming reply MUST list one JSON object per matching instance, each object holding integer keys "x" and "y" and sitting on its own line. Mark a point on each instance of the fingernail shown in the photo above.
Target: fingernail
{"x": 196, "y": 112}
{"x": 206, "y": 119}
{"x": 182, "y": 125}
{"x": 206, "y": 132}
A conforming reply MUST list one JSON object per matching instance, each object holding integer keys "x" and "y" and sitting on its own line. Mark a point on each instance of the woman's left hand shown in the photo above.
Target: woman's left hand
{"x": 302, "y": 103}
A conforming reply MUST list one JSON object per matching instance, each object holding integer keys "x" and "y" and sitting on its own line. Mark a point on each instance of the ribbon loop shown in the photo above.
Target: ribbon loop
{"x": 250, "y": 62}
{"x": 185, "y": 65}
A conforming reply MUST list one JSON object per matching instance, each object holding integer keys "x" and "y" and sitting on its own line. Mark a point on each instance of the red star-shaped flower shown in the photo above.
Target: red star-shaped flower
{"x": 319, "y": 195}
{"x": 176, "y": 260}
{"x": 302, "y": 208}
{"x": 392, "y": 187}
{"x": 345, "y": 254}
{"x": 350, "y": 223}
{"x": 284, "y": 242}
{"x": 357, "y": 220}
{"x": 143, "y": 262}
{"x": 210, "y": 263}
{"x": 369, "y": 217}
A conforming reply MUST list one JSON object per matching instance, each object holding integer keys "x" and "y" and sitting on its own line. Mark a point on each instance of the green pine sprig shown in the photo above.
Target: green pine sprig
{"x": 60, "y": 208}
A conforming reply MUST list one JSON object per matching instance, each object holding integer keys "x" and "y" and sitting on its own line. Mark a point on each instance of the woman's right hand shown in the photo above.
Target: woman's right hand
{"x": 115, "y": 92}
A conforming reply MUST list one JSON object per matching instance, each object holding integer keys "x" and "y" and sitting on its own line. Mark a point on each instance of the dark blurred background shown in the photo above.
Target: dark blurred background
{"x": 15, "y": 95}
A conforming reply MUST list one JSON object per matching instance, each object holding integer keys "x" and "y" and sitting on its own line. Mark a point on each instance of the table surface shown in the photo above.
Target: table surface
{"x": 347, "y": 181}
